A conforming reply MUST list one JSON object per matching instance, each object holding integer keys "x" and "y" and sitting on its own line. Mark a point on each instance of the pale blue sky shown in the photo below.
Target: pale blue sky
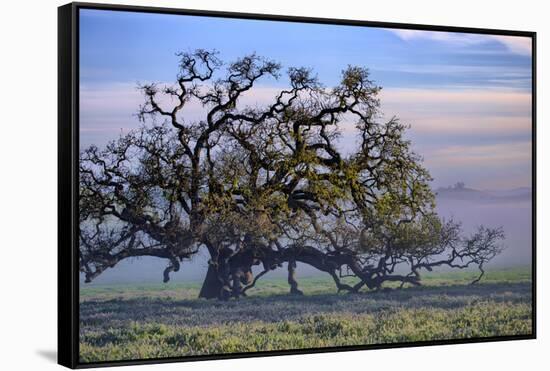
{"x": 466, "y": 96}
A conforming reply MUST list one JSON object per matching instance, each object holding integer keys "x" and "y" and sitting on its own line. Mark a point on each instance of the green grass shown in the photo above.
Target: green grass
{"x": 276, "y": 286}
{"x": 166, "y": 320}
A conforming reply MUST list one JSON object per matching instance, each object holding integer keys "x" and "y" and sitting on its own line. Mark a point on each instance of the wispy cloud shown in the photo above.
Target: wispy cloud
{"x": 481, "y": 156}
{"x": 472, "y": 71}
{"x": 112, "y": 107}
{"x": 515, "y": 44}
{"x": 493, "y": 166}
{"x": 449, "y": 37}
{"x": 480, "y": 136}
{"x": 460, "y": 111}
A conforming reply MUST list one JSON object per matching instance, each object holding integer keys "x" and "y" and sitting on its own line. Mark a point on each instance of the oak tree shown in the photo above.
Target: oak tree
{"x": 268, "y": 184}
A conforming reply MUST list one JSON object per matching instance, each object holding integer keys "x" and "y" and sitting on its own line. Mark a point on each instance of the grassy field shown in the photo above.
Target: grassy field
{"x": 120, "y": 322}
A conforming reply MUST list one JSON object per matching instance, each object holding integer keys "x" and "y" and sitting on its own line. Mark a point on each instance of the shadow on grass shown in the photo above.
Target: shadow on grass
{"x": 279, "y": 307}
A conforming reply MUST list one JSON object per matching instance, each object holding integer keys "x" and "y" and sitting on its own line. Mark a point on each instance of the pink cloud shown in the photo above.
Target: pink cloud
{"x": 459, "y": 111}
{"x": 479, "y": 156}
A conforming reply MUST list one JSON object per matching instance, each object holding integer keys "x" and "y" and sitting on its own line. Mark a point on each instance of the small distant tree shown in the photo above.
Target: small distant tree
{"x": 267, "y": 185}
{"x": 459, "y": 185}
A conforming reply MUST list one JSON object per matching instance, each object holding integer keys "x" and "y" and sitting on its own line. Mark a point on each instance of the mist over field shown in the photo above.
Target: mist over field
{"x": 510, "y": 209}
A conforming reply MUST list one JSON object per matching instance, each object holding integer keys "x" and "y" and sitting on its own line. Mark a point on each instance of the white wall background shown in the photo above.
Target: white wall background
{"x": 28, "y": 155}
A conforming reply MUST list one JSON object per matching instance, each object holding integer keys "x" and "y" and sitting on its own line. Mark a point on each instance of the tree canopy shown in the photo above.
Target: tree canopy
{"x": 267, "y": 184}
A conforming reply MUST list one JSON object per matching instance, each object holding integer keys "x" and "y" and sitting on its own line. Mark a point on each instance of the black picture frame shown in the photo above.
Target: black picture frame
{"x": 68, "y": 152}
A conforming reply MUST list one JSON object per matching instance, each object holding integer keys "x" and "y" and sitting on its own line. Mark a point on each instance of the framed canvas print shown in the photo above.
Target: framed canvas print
{"x": 236, "y": 185}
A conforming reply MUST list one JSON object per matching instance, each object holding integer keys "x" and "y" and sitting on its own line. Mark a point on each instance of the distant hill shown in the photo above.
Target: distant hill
{"x": 460, "y": 192}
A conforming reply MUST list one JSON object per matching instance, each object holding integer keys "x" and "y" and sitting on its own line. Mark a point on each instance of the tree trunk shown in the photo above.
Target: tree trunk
{"x": 211, "y": 286}
{"x": 292, "y": 278}
{"x": 237, "y": 288}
